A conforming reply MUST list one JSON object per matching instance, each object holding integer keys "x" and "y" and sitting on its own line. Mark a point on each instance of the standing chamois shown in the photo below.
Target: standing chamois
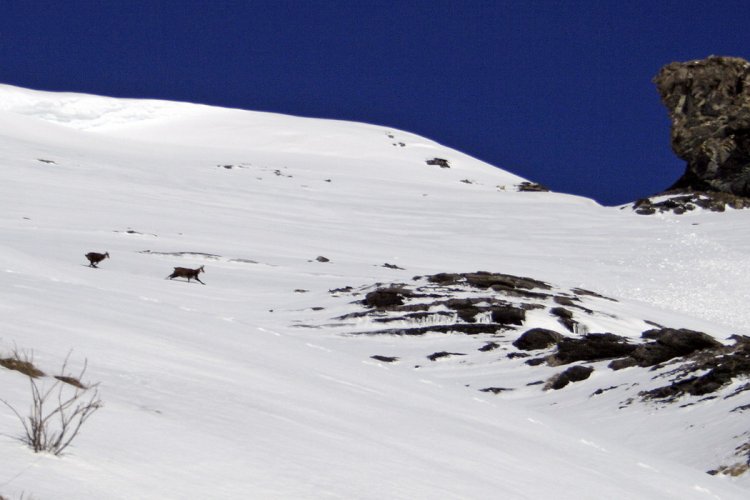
{"x": 185, "y": 272}
{"x": 95, "y": 258}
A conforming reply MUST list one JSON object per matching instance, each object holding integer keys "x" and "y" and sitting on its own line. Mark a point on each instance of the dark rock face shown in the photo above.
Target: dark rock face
{"x": 671, "y": 343}
{"x": 572, "y": 374}
{"x": 565, "y": 317}
{"x": 489, "y": 346}
{"x": 484, "y": 280}
{"x": 384, "y": 297}
{"x": 709, "y": 104}
{"x": 682, "y": 340}
{"x": 508, "y": 315}
{"x": 537, "y": 338}
{"x": 440, "y": 162}
{"x": 707, "y": 371}
{"x": 619, "y": 364}
{"x": 532, "y": 187}
{"x": 663, "y": 344}
{"x": 591, "y": 347}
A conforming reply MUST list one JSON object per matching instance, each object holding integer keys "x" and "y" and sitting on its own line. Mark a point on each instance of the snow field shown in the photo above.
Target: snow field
{"x": 218, "y": 391}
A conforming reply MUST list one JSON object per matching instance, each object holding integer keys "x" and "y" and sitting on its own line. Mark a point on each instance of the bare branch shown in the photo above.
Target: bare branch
{"x": 52, "y": 425}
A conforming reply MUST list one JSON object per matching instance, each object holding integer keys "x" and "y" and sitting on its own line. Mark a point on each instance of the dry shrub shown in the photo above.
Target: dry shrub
{"x": 57, "y": 412}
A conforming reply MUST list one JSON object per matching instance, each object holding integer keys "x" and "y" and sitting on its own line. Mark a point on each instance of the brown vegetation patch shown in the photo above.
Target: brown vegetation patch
{"x": 733, "y": 470}
{"x": 24, "y": 366}
{"x": 70, "y": 381}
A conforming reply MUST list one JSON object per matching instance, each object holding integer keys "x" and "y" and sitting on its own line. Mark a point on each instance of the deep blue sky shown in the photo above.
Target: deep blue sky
{"x": 559, "y": 92}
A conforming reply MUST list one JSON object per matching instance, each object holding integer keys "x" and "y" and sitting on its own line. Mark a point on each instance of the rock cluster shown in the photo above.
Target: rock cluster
{"x": 680, "y": 202}
{"x": 497, "y": 305}
{"x": 440, "y": 162}
{"x": 523, "y": 321}
{"x": 532, "y": 187}
{"x": 469, "y": 303}
{"x": 709, "y": 103}
{"x": 708, "y": 370}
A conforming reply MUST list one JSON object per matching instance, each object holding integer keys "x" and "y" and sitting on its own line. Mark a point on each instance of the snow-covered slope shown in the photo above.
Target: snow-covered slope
{"x": 226, "y": 391}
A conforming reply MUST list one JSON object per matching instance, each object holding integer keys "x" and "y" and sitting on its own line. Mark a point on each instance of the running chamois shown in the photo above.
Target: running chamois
{"x": 185, "y": 272}
{"x": 95, "y": 258}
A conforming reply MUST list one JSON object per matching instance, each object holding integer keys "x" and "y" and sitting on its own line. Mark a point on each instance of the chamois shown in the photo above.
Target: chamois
{"x": 95, "y": 258}
{"x": 185, "y": 272}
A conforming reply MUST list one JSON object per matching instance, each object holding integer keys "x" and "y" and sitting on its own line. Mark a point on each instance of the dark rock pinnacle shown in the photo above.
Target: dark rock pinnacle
{"x": 709, "y": 103}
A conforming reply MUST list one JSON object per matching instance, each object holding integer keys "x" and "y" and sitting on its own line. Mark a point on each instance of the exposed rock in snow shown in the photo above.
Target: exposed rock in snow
{"x": 709, "y": 104}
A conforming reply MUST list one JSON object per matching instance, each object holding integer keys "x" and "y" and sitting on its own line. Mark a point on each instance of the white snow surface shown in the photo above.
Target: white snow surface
{"x": 217, "y": 391}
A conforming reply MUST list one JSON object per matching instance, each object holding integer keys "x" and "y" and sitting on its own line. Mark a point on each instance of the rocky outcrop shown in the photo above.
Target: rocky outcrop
{"x": 384, "y": 297}
{"x": 572, "y": 374}
{"x": 440, "y": 162}
{"x": 532, "y": 187}
{"x": 492, "y": 328}
{"x": 537, "y": 338}
{"x": 679, "y": 202}
{"x": 591, "y": 347}
{"x": 707, "y": 370}
{"x": 709, "y": 104}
